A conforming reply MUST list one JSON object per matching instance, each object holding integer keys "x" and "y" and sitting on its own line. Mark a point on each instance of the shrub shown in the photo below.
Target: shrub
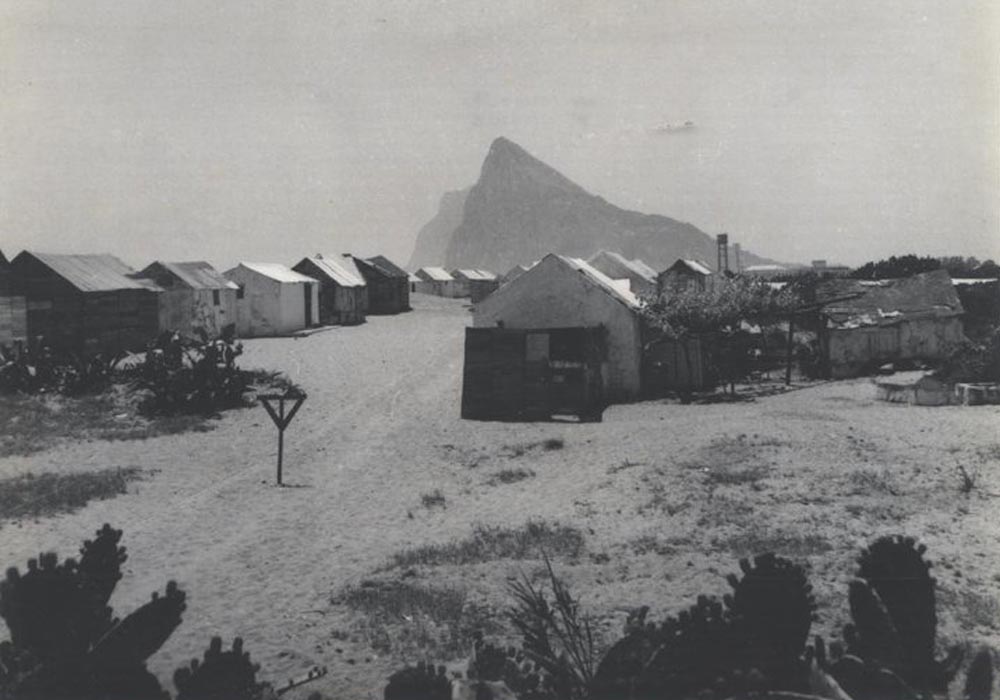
{"x": 184, "y": 375}
{"x": 39, "y": 368}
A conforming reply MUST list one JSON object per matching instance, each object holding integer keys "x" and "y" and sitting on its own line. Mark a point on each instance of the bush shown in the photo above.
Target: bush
{"x": 973, "y": 362}
{"x": 185, "y": 375}
{"x": 38, "y": 368}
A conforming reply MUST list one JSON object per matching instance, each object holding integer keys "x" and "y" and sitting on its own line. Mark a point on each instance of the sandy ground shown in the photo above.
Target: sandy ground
{"x": 667, "y": 496}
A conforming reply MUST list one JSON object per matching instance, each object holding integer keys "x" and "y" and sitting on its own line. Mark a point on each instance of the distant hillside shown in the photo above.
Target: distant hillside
{"x": 433, "y": 238}
{"x": 521, "y": 209}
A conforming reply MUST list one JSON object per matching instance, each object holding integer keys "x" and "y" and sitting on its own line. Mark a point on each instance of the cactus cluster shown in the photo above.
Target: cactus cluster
{"x": 64, "y": 638}
{"x": 754, "y": 642}
{"x": 420, "y": 682}
{"x": 221, "y": 675}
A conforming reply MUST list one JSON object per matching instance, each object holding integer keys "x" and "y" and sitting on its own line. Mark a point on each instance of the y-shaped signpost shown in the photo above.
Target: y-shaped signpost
{"x": 280, "y": 418}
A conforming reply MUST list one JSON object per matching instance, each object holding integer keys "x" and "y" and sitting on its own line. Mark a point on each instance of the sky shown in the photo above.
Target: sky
{"x": 250, "y": 130}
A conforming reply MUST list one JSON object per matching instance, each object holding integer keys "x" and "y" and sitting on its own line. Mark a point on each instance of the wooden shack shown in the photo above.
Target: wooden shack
{"x": 343, "y": 294}
{"x": 685, "y": 275}
{"x": 13, "y": 306}
{"x": 474, "y": 283}
{"x": 195, "y": 296}
{"x": 436, "y": 281}
{"x": 388, "y": 285}
{"x": 87, "y": 302}
{"x": 533, "y": 374}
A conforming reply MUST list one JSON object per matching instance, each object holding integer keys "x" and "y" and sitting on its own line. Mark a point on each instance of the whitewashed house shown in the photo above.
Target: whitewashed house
{"x": 273, "y": 299}
{"x": 564, "y": 292}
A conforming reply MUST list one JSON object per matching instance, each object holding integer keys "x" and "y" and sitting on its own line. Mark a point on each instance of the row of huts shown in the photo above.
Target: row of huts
{"x": 518, "y": 355}
{"x": 97, "y": 302}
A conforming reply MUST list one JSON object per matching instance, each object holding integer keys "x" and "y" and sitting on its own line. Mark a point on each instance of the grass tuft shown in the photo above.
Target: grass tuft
{"x": 434, "y": 499}
{"x": 510, "y": 476}
{"x": 48, "y": 494}
{"x": 490, "y": 543}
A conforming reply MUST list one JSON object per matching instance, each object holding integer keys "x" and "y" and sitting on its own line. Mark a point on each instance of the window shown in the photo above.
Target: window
{"x": 215, "y": 297}
{"x": 240, "y": 291}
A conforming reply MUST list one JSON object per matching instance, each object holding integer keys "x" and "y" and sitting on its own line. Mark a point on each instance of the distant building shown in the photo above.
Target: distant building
{"x": 768, "y": 272}
{"x": 436, "y": 281}
{"x": 195, "y": 295}
{"x": 343, "y": 294}
{"x": 868, "y": 323}
{"x": 475, "y": 284}
{"x": 823, "y": 269}
{"x": 13, "y": 306}
{"x": 563, "y": 292}
{"x": 642, "y": 278}
{"x": 685, "y": 275}
{"x": 273, "y": 299}
{"x": 388, "y": 285}
{"x": 87, "y": 302}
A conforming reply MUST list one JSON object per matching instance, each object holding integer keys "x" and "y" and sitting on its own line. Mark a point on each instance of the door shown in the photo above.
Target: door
{"x": 307, "y": 288}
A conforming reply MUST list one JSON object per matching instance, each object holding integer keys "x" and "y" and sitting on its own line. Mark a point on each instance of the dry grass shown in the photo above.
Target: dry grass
{"x": 30, "y": 424}
{"x": 414, "y": 620}
{"x": 521, "y": 449}
{"x": 754, "y": 540}
{"x": 510, "y": 476}
{"x": 434, "y": 499}
{"x": 32, "y": 496}
{"x": 494, "y": 543}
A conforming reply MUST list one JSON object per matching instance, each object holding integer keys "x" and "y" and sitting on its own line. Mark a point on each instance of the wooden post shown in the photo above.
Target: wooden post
{"x": 281, "y": 419}
{"x": 788, "y": 353}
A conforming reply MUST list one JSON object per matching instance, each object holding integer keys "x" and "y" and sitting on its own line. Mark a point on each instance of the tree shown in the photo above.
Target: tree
{"x": 896, "y": 267}
{"x": 720, "y": 313}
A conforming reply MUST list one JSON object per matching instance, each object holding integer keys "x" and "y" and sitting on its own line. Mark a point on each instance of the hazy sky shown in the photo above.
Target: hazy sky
{"x": 243, "y": 129}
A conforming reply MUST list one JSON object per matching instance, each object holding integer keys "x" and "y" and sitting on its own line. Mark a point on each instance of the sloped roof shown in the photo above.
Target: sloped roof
{"x": 621, "y": 261}
{"x": 471, "y": 274}
{"x": 91, "y": 273}
{"x": 339, "y": 268}
{"x": 696, "y": 266}
{"x": 387, "y": 267}
{"x": 436, "y": 274}
{"x": 644, "y": 269}
{"x": 883, "y": 302}
{"x": 197, "y": 274}
{"x": 277, "y": 272}
{"x": 597, "y": 277}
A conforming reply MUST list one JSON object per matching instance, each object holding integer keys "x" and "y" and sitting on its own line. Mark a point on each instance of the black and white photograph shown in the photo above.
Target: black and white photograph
{"x": 507, "y": 350}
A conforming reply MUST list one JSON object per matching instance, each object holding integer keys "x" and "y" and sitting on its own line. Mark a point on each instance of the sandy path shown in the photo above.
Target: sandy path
{"x": 381, "y": 427}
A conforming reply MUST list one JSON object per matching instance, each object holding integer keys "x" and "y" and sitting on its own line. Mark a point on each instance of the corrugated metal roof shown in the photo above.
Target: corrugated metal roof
{"x": 435, "y": 274}
{"x": 696, "y": 266}
{"x": 90, "y": 273}
{"x": 603, "y": 281}
{"x": 387, "y": 266}
{"x": 277, "y": 272}
{"x": 471, "y": 274}
{"x": 339, "y": 268}
{"x": 198, "y": 275}
{"x": 604, "y": 258}
{"x": 882, "y": 302}
{"x": 646, "y": 271}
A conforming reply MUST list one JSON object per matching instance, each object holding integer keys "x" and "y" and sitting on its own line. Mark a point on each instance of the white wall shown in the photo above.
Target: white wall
{"x": 554, "y": 295}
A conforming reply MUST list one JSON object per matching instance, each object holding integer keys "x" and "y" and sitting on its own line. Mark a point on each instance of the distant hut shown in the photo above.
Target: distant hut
{"x": 343, "y": 294}
{"x": 436, "y": 281}
{"x": 868, "y": 323}
{"x": 195, "y": 295}
{"x": 684, "y": 275}
{"x": 273, "y": 299}
{"x": 414, "y": 281}
{"x": 513, "y": 273}
{"x": 563, "y": 292}
{"x": 473, "y": 283}
{"x": 642, "y": 279}
{"x": 388, "y": 285}
{"x": 87, "y": 302}
{"x": 13, "y": 306}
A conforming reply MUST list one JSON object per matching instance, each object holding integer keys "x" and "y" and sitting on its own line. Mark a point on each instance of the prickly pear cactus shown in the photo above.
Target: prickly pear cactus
{"x": 773, "y": 606}
{"x": 420, "y": 682}
{"x": 221, "y": 675}
{"x": 895, "y": 569}
{"x": 511, "y": 666}
{"x": 64, "y": 640}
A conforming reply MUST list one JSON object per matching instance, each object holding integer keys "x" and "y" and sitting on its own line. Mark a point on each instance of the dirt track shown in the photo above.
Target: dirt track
{"x": 816, "y": 472}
